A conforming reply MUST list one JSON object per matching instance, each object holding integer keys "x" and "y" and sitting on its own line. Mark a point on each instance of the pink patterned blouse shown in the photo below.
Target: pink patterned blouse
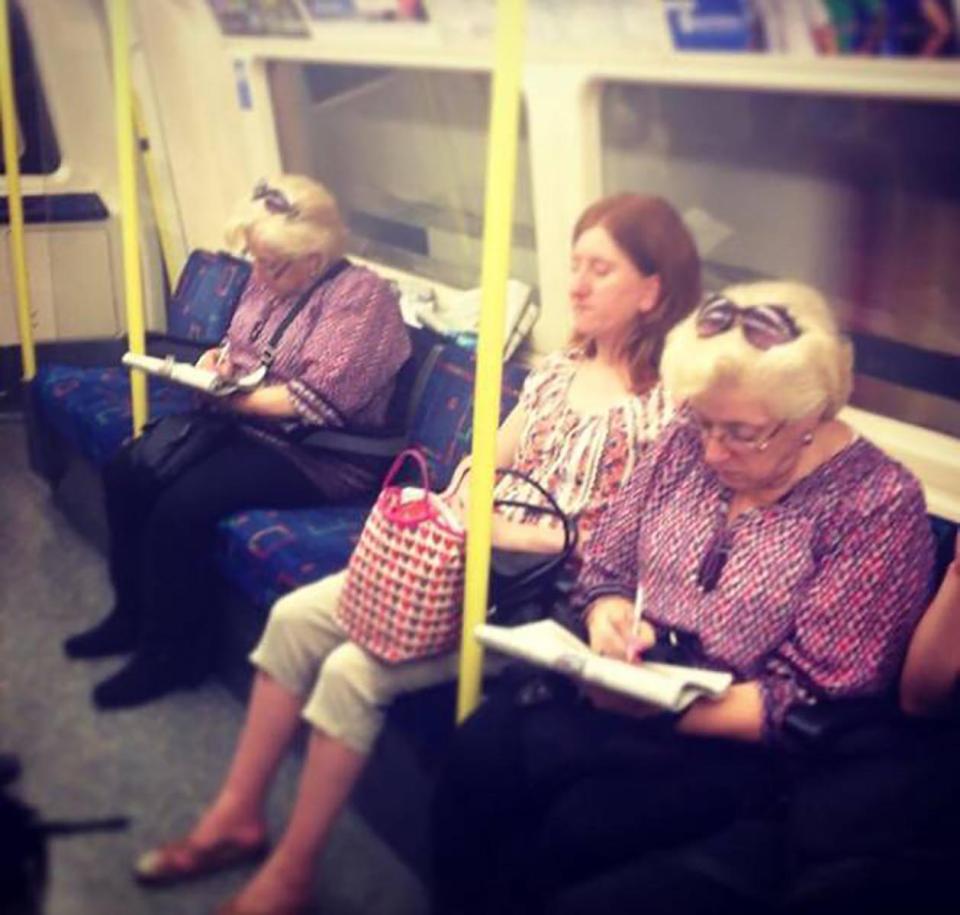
{"x": 339, "y": 359}
{"x": 819, "y": 592}
{"x": 582, "y": 460}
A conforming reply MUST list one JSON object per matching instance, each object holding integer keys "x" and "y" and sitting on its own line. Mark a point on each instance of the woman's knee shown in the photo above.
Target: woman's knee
{"x": 350, "y": 698}
{"x": 291, "y": 649}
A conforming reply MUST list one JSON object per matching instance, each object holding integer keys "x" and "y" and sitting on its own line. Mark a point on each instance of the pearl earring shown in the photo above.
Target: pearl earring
{"x": 807, "y": 438}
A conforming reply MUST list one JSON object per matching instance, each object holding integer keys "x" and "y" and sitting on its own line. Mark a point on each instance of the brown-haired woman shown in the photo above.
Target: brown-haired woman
{"x": 581, "y": 423}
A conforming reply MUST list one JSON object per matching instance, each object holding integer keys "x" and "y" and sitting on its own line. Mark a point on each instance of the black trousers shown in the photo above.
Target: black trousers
{"x": 162, "y": 539}
{"x": 537, "y": 800}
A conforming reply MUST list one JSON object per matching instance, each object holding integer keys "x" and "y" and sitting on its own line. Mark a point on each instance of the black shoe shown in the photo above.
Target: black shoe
{"x": 145, "y": 678}
{"x": 116, "y": 634}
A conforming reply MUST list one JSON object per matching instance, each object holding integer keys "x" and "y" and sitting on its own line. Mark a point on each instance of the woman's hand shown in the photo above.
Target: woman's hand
{"x": 526, "y": 537}
{"x": 208, "y": 360}
{"x": 610, "y": 625}
{"x": 457, "y": 493}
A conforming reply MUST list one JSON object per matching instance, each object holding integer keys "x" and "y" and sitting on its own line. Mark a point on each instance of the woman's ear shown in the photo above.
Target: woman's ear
{"x": 650, "y": 297}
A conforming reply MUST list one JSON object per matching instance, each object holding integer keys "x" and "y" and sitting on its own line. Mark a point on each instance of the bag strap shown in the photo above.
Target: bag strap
{"x": 551, "y": 508}
{"x": 270, "y": 350}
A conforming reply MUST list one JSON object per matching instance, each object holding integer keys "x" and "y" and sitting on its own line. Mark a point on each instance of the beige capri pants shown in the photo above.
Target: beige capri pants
{"x": 346, "y": 689}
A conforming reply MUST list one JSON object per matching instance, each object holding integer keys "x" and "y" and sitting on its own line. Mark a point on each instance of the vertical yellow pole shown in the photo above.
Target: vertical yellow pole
{"x": 497, "y": 231}
{"x": 11, "y": 158}
{"x": 129, "y": 202}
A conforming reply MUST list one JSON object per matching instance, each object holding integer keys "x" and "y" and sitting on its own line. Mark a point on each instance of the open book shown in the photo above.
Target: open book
{"x": 204, "y": 380}
{"x": 548, "y": 644}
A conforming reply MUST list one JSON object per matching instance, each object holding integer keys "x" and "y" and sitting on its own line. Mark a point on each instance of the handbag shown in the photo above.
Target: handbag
{"x": 168, "y": 446}
{"x": 403, "y": 595}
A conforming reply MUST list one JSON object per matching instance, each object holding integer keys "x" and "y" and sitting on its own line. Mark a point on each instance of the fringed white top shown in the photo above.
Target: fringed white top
{"x": 581, "y": 459}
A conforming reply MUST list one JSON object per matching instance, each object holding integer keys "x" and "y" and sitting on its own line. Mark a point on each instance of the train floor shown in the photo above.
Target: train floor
{"x": 155, "y": 765}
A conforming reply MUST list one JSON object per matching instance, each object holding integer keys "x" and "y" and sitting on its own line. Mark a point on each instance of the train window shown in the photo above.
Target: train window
{"x": 404, "y": 151}
{"x": 857, "y": 196}
{"x": 39, "y": 152}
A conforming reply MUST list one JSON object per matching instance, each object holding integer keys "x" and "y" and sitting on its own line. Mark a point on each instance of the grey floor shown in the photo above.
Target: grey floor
{"x": 156, "y": 765}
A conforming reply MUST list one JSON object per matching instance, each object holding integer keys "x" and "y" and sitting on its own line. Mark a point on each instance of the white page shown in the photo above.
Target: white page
{"x": 180, "y": 372}
{"x": 550, "y": 645}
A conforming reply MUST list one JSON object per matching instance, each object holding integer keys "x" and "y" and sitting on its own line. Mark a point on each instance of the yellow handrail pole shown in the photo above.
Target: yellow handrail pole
{"x": 11, "y": 159}
{"x": 129, "y": 203}
{"x": 497, "y": 231}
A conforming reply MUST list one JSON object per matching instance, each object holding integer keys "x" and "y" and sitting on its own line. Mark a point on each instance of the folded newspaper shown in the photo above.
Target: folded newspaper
{"x": 205, "y": 380}
{"x": 548, "y": 644}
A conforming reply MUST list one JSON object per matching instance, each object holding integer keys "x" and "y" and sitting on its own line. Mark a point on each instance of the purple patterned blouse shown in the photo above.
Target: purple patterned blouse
{"x": 820, "y": 591}
{"x": 339, "y": 359}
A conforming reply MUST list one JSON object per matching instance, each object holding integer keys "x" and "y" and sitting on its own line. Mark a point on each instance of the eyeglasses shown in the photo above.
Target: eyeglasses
{"x": 764, "y": 326}
{"x": 714, "y": 561}
{"x": 274, "y": 269}
{"x": 736, "y": 437}
{"x": 274, "y": 200}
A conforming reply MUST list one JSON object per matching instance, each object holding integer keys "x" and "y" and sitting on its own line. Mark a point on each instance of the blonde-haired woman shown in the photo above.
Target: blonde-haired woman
{"x": 334, "y": 366}
{"x": 769, "y": 540}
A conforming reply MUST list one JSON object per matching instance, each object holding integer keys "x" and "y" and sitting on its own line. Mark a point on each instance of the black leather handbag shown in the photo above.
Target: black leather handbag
{"x": 525, "y": 587}
{"x": 168, "y": 446}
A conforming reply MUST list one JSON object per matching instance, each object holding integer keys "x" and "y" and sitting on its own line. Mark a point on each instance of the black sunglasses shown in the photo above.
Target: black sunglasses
{"x": 764, "y": 326}
{"x": 274, "y": 200}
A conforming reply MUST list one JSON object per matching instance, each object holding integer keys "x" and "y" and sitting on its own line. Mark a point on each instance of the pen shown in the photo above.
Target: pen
{"x": 633, "y": 644}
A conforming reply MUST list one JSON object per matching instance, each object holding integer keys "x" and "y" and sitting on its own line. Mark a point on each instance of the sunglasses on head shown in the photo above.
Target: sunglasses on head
{"x": 274, "y": 200}
{"x": 764, "y": 326}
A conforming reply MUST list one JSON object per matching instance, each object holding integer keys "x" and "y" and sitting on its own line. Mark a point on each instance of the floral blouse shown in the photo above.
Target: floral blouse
{"x": 581, "y": 459}
{"x": 820, "y": 591}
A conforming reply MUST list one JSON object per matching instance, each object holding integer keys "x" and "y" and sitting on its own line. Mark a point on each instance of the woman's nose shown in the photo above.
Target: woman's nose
{"x": 578, "y": 283}
{"x": 715, "y": 449}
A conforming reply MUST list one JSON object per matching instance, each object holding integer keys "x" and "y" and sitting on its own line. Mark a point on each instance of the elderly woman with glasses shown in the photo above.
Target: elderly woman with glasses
{"x": 340, "y": 341}
{"x": 769, "y": 540}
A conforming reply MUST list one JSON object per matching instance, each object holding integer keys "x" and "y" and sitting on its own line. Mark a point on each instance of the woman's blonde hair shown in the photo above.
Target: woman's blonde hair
{"x": 651, "y": 233}
{"x": 812, "y": 373}
{"x": 292, "y": 216}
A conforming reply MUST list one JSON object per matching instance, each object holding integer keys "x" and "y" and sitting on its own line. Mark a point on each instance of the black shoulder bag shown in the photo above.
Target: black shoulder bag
{"x": 525, "y": 586}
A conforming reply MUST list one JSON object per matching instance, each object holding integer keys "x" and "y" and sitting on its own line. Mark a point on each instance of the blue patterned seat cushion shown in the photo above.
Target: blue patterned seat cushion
{"x": 209, "y": 289}
{"x": 90, "y": 407}
{"x": 264, "y": 554}
{"x": 442, "y": 423}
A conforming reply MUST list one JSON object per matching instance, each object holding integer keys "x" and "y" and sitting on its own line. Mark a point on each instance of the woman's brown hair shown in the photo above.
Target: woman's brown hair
{"x": 651, "y": 233}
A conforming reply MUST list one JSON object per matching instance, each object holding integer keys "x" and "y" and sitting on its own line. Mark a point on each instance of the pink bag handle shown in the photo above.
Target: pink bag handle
{"x": 423, "y": 504}
{"x": 398, "y": 462}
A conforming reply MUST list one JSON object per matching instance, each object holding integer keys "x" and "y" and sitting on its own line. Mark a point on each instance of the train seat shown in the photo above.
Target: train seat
{"x": 87, "y": 408}
{"x": 262, "y": 554}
